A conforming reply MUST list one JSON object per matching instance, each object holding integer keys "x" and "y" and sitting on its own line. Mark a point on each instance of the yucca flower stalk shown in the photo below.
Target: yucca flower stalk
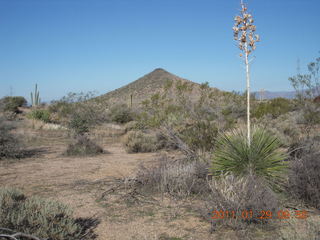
{"x": 244, "y": 33}
{"x": 263, "y": 157}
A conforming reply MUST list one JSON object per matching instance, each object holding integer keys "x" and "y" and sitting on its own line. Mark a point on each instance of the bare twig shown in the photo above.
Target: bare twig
{"x": 182, "y": 146}
{"x": 16, "y": 235}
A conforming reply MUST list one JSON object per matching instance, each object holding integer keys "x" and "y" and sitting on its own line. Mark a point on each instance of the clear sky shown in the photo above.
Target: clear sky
{"x": 86, "y": 45}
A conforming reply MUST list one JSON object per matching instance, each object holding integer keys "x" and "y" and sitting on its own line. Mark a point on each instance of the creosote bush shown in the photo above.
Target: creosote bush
{"x": 82, "y": 105}
{"x": 40, "y": 114}
{"x": 274, "y": 107}
{"x": 11, "y": 104}
{"x": 121, "y": 114}
{"x": 79, "y": 124}
{"x": 42, "y": 218}
{"x": 200, "y": 135}
{"x": 83, "y": 146}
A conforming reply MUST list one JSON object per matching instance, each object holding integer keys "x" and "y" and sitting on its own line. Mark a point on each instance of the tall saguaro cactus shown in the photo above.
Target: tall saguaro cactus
{"x": 35, "y": 99}
{"x": 244, "y": 33}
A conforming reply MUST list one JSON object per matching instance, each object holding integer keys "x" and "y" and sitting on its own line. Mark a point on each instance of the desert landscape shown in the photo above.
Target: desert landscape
{"x": 165, "y": 158}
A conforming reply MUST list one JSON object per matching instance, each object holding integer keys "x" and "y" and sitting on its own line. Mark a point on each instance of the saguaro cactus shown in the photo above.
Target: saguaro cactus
{"x": 244, "y": 33}
{"x": 35, "y": 99}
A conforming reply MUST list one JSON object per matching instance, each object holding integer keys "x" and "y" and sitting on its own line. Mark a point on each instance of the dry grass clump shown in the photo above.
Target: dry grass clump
{"x": 178, "y": 178}
{"x": 39, "y": 217}
{"x": 239, "y": 196}
{"x": 83, "y": 146}
{"x": 139, "y": 141}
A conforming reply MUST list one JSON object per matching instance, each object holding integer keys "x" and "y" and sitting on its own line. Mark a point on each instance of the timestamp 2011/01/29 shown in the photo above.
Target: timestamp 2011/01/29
{"x": 263, "y": 214}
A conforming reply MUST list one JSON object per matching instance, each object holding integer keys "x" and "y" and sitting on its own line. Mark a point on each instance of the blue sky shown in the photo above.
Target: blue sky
{"x": 99, "y": 45}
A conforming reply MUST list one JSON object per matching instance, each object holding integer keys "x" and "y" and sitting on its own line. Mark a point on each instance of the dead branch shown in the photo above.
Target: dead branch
{"x": 16, "y": 235}
{"x": 182, "y": 146}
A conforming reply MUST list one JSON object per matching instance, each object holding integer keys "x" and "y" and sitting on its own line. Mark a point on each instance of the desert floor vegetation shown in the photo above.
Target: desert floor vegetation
{"x": 180, "y": 168}
{"x": 164, "y": 158}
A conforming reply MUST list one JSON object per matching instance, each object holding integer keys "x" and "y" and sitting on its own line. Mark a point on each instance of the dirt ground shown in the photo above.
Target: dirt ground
{"x": 80, "y": 182}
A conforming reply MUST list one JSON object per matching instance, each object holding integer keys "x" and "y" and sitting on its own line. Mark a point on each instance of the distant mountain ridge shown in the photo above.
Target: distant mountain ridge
{"x": 276, "y": 94}
{"x": 144, "y": 87}
{"x": 154, "y": 82}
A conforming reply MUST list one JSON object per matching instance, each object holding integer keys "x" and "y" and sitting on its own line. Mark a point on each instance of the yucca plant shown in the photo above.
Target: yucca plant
{"x": 244, "y": 33}
{"x": 262, "y": 158}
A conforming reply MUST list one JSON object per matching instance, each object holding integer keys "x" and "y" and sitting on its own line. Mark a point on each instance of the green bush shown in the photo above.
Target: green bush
{"x": 38, "y": 217}
{"x": 200, "y": 135}
{"x": 19, "y": 101}
{"x": 40, "y": 114}
{"x": 63, "y": 109}
{"x": 79, "y": 124}
{"x": 83, "y": 146}
{"x": 12, "y": 104}
{"x": 274, "y": 107}
{"x": 80, "y": 104}
{"x": 263, "y": 157}
{"x": 121, "y": 114}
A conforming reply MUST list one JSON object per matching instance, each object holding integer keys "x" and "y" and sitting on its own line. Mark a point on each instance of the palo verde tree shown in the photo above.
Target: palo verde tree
{"x": 244, "y": 34}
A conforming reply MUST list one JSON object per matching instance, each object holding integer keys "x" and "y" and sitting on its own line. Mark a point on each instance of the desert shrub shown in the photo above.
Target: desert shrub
{"x": 195, "y": 120}
{"x": 200, "y": 135}
{"x": 10, "y": 146}
{"x": 80, "y": 104}
{"x": 178, "y": 179}
{"x": 40, "y": 114}
{"x": 139, "y": 141}
{"x": 245, "y": 198}
{"x": 285, "y": 127}
{"x": 274, "y": 107}
{"x": 45, "y": 219}
{"x": 310, "y": 116}
{"x": 263, "y": 157}
{"x": 133, "y": 126}
{"x": 292, "y": 230}
{"x": 304, "y": 178}
{"x": 11, "y": 104}
{"x": 79, "y": 124}
{"x": 60, "y": 110}
{"x": 19, "y": 101}
{"x": 83, "y": 146}
{"x": 121, "y": 114}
